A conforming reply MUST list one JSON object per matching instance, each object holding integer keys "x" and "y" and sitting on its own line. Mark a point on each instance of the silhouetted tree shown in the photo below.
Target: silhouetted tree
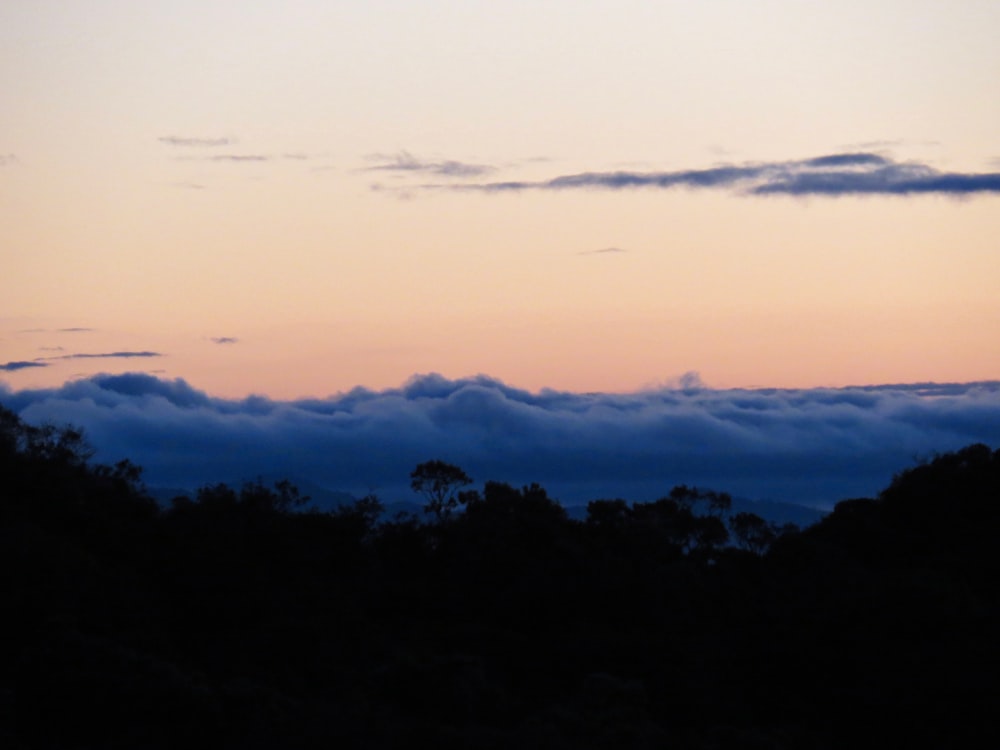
{"x": 752, "y": 532}
{"x": 439, "y": 483}
{"x": 718, "y": 503}
{"x": 363, "y": 513}
{"x": 608, "y": 515}
{"x": 233, "y": 622}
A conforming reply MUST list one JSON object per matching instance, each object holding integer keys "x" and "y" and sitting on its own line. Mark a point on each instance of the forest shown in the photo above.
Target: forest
{"x": 240, "y": 618}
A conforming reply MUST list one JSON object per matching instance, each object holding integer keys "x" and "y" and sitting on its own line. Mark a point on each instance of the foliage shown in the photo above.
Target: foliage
{"x": 241, "y": 619}
{"x": 440, "y": 484}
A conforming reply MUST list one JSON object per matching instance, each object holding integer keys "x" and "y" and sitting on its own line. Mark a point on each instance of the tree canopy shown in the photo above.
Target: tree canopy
{"x": 240, "y": 618}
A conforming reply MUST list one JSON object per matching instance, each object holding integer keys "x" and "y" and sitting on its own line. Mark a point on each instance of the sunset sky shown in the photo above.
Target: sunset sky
{"x": 294, "y": 198}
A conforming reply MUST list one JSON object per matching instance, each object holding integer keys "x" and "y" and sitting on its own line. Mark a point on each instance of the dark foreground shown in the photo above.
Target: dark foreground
{"x": 235, "y": 621}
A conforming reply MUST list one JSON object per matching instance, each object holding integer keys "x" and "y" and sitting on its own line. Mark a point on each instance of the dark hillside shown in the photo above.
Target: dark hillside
{"x": 237, "y": 619}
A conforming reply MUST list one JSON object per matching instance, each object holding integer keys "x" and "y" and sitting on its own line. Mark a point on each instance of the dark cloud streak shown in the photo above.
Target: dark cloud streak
{"x": 15, "y": 366}
{"x": 106, "y": 355}
{"x": 854, "y": 173}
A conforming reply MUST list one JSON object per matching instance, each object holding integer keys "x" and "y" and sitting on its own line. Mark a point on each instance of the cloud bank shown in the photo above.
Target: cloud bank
{"x": 813, "y": 446}
{"x": 855, "y": 173}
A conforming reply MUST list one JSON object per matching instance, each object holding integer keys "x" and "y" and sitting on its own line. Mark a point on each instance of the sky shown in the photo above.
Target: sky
{"x": 296, "y": 199}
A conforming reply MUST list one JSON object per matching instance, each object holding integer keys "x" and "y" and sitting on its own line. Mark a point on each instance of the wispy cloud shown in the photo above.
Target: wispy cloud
{"x": 105, "y": 355}
{"x": 227, "y": 157}
{"x": 604, "y": 251}
{"x": 7, "y": 159}
{"x": 812, "y": 446}
{"x": 404, "y": 162}
{"x": 855, "y": 173}
{"x": 14, "y": 366}
{"x": 177, "y": 140}
{"x": 875, "y": 145}
{"x": 56, "y": 330}
{"x": 224, "y": 340}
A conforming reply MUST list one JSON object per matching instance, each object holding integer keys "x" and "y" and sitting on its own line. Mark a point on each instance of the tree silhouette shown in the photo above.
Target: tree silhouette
{"x": 752, "y": 532}
{"x": 439, "y": 482}
{"x": 235, "y": 621}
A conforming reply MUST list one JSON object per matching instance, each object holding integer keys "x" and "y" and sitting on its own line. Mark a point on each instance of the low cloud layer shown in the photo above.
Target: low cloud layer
{"x": 858, "y": 173}
{"x": 808, "y": 446}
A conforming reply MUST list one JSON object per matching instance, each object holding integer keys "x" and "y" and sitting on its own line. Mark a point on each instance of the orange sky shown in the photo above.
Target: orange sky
{"x": 184, "y": 172}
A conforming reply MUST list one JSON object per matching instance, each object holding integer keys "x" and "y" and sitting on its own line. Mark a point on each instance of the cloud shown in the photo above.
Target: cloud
{"x": 808, "y": 446}
{"x": 176, "y": 140}
{"x": 237, "y": 157}
{"x": 106, "y": 355}
{"x": 876, "y": 144}
{"x": 852, "y": 173}
{"x": 7, "y": 159}
{"x": 603, "y": 251}
{"x": 14, "y": 366}
{"x": 57, "y": 330}
{"x": 406, "y": 162}
{"x": 225, "y": 340}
